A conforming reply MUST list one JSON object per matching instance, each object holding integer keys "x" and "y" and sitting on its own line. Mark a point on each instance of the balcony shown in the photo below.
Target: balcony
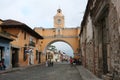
{"x": 31, "y": 43}
{"x": 5, "y": 33}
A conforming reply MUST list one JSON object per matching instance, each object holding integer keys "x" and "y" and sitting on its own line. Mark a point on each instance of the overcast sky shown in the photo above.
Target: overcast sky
{"x": 39, "y": 13}
{"x": 64, "y": 47}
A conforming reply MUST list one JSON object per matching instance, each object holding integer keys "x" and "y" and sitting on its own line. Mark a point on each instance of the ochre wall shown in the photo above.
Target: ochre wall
{"x": 67, "y": 35}
{"x": 19, "y": 42}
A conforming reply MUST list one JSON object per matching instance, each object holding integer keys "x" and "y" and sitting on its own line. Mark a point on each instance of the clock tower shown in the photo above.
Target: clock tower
{"x": 59, "y": 19}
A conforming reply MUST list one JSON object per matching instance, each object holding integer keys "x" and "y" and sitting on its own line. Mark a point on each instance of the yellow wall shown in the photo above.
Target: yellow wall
{"x": 56, "y": 21}
{"x": 0, "y": 27}
{"x": 1, "y": 21}
{"x": 19, "y": 42}
{"x": 57, "y": 17}
{"x": 69, "y": 35}
{"x": 59, "y": 33}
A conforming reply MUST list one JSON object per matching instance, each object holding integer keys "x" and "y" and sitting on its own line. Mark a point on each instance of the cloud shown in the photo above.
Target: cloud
{"x": 39, "y": 13}
{"x": 64, "y": 47}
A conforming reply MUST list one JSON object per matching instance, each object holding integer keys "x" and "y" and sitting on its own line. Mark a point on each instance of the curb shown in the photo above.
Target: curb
{"x": 19, "y": 68}
{"x": 11, "y": 70}
{"x": 86, "y": 74}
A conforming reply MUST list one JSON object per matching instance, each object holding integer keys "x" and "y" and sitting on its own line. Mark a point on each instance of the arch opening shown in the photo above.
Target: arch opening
{"x": 59, "y": 48}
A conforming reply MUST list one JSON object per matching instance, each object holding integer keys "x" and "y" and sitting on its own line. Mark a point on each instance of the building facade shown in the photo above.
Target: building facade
{"x": 25, "y": 48}
{"x": 5, "y": 48}
{"x": 100, "y": 38}
{"x": 60, "y": 33}
{"x": 59, "y": 19}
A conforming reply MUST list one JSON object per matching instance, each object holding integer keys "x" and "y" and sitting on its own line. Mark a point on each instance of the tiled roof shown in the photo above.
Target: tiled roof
{"x": 1, "y": 20}
{"x": 15, "y": 24}
{"x": 5, "y": 37}
{"x": 11, "y": 22}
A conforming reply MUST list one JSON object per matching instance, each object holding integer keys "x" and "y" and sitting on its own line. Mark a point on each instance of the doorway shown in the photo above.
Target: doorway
{"x": 103, "y": 40}
{"x": 104, "y": 46}
{"x": 1, "y": 52}
{"x": 15, "y": 57}
{"x": 39, "y": 57}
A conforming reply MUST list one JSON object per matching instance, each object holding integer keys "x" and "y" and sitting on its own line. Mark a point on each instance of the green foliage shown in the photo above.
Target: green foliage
{"x": 52, "y": 48}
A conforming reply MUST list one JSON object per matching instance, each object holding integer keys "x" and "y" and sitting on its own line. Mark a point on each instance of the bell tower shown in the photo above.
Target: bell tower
{"x": 59, "y": 19}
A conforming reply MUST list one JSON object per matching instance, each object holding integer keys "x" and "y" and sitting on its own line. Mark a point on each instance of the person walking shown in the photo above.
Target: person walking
{"x": 2, "y": 65}
{"x": 46, "y": 63}
{"x": 71, "y": 61}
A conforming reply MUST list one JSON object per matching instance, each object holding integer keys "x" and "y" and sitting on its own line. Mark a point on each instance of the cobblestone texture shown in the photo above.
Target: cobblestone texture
{"x": 57, "y": 72}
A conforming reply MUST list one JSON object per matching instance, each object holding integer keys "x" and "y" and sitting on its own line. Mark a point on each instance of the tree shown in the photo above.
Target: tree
{"x": 52, "y": 48}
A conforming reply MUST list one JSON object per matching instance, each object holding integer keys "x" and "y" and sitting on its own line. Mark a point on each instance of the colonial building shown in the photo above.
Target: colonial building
{"x": 59, "y": 19}
{"x": 25, "y": 48}
{"x": 100, "y": 38}
{"x": 60, "y": 33}
{"x": 5, "y": 48}
{"x": 57, "y": 56}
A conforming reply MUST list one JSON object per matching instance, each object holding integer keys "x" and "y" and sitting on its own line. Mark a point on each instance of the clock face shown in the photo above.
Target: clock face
{"x": 59, "y": 21}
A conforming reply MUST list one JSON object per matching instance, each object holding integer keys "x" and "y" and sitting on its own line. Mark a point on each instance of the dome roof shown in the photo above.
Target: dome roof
{"x": 59, "y": 13}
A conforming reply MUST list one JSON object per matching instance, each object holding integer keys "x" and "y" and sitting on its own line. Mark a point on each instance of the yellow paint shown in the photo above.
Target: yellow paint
{"x": 59, "y": 33}
{"x": 19, "y": 42}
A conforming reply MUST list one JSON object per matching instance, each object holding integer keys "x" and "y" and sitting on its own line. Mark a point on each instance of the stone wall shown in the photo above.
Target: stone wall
{"x": 89, "y": 45}
{"x": 90, "y": 56}
{"x": 114, "y": 41}
{"x": 93, "y": 44}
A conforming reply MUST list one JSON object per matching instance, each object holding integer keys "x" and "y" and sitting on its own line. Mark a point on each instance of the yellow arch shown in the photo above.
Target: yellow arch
{"x": 56, "y": 40}
{"x": 67, "y": 35}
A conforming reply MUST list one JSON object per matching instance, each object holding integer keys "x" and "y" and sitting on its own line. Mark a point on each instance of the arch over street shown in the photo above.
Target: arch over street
{"x": 59, "y": 33}
{"x": 68, "y": 35}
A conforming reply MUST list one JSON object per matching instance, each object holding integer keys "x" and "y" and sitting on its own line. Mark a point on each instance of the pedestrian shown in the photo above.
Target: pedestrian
{"x": 71, "y": 61}
{"x": 46, "y": 63}
{"x": 2, "y": 65}
{"x": 75, "y": 61}
{"x": 51, "y": 63}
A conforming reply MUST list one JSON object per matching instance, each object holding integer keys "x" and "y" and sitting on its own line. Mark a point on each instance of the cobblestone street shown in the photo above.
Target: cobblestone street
{"x": 57, "y": 72}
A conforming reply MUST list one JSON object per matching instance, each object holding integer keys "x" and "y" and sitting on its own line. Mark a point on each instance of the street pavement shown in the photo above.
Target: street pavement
{"x": 57, "y": 72}
{"x": 86, "y": 74}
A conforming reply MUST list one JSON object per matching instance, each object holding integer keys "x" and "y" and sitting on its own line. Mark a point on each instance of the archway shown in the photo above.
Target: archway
{"x": 51, "y": 35}
{"x": 54, "y": 41}
{"x": 58, "y": 51}
{"x": 62, "y": 46}
{"x": 72, "y": 42}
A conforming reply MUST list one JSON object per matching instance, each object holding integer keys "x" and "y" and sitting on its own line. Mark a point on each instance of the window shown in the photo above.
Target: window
{"x": 25, "y": 54}
{"x": 24, "y": 35}
{"x": 31, "y": 39}
{"x": 59, "y": 21}
{"x": 36, "y": 54}
{"x": 1, "y": 53}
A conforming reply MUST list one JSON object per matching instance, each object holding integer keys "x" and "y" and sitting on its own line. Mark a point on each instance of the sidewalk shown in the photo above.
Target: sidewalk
{"x": 86, "y": 74}
{"x": 11, "y": 70}
{"x": 17, "y": 69}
